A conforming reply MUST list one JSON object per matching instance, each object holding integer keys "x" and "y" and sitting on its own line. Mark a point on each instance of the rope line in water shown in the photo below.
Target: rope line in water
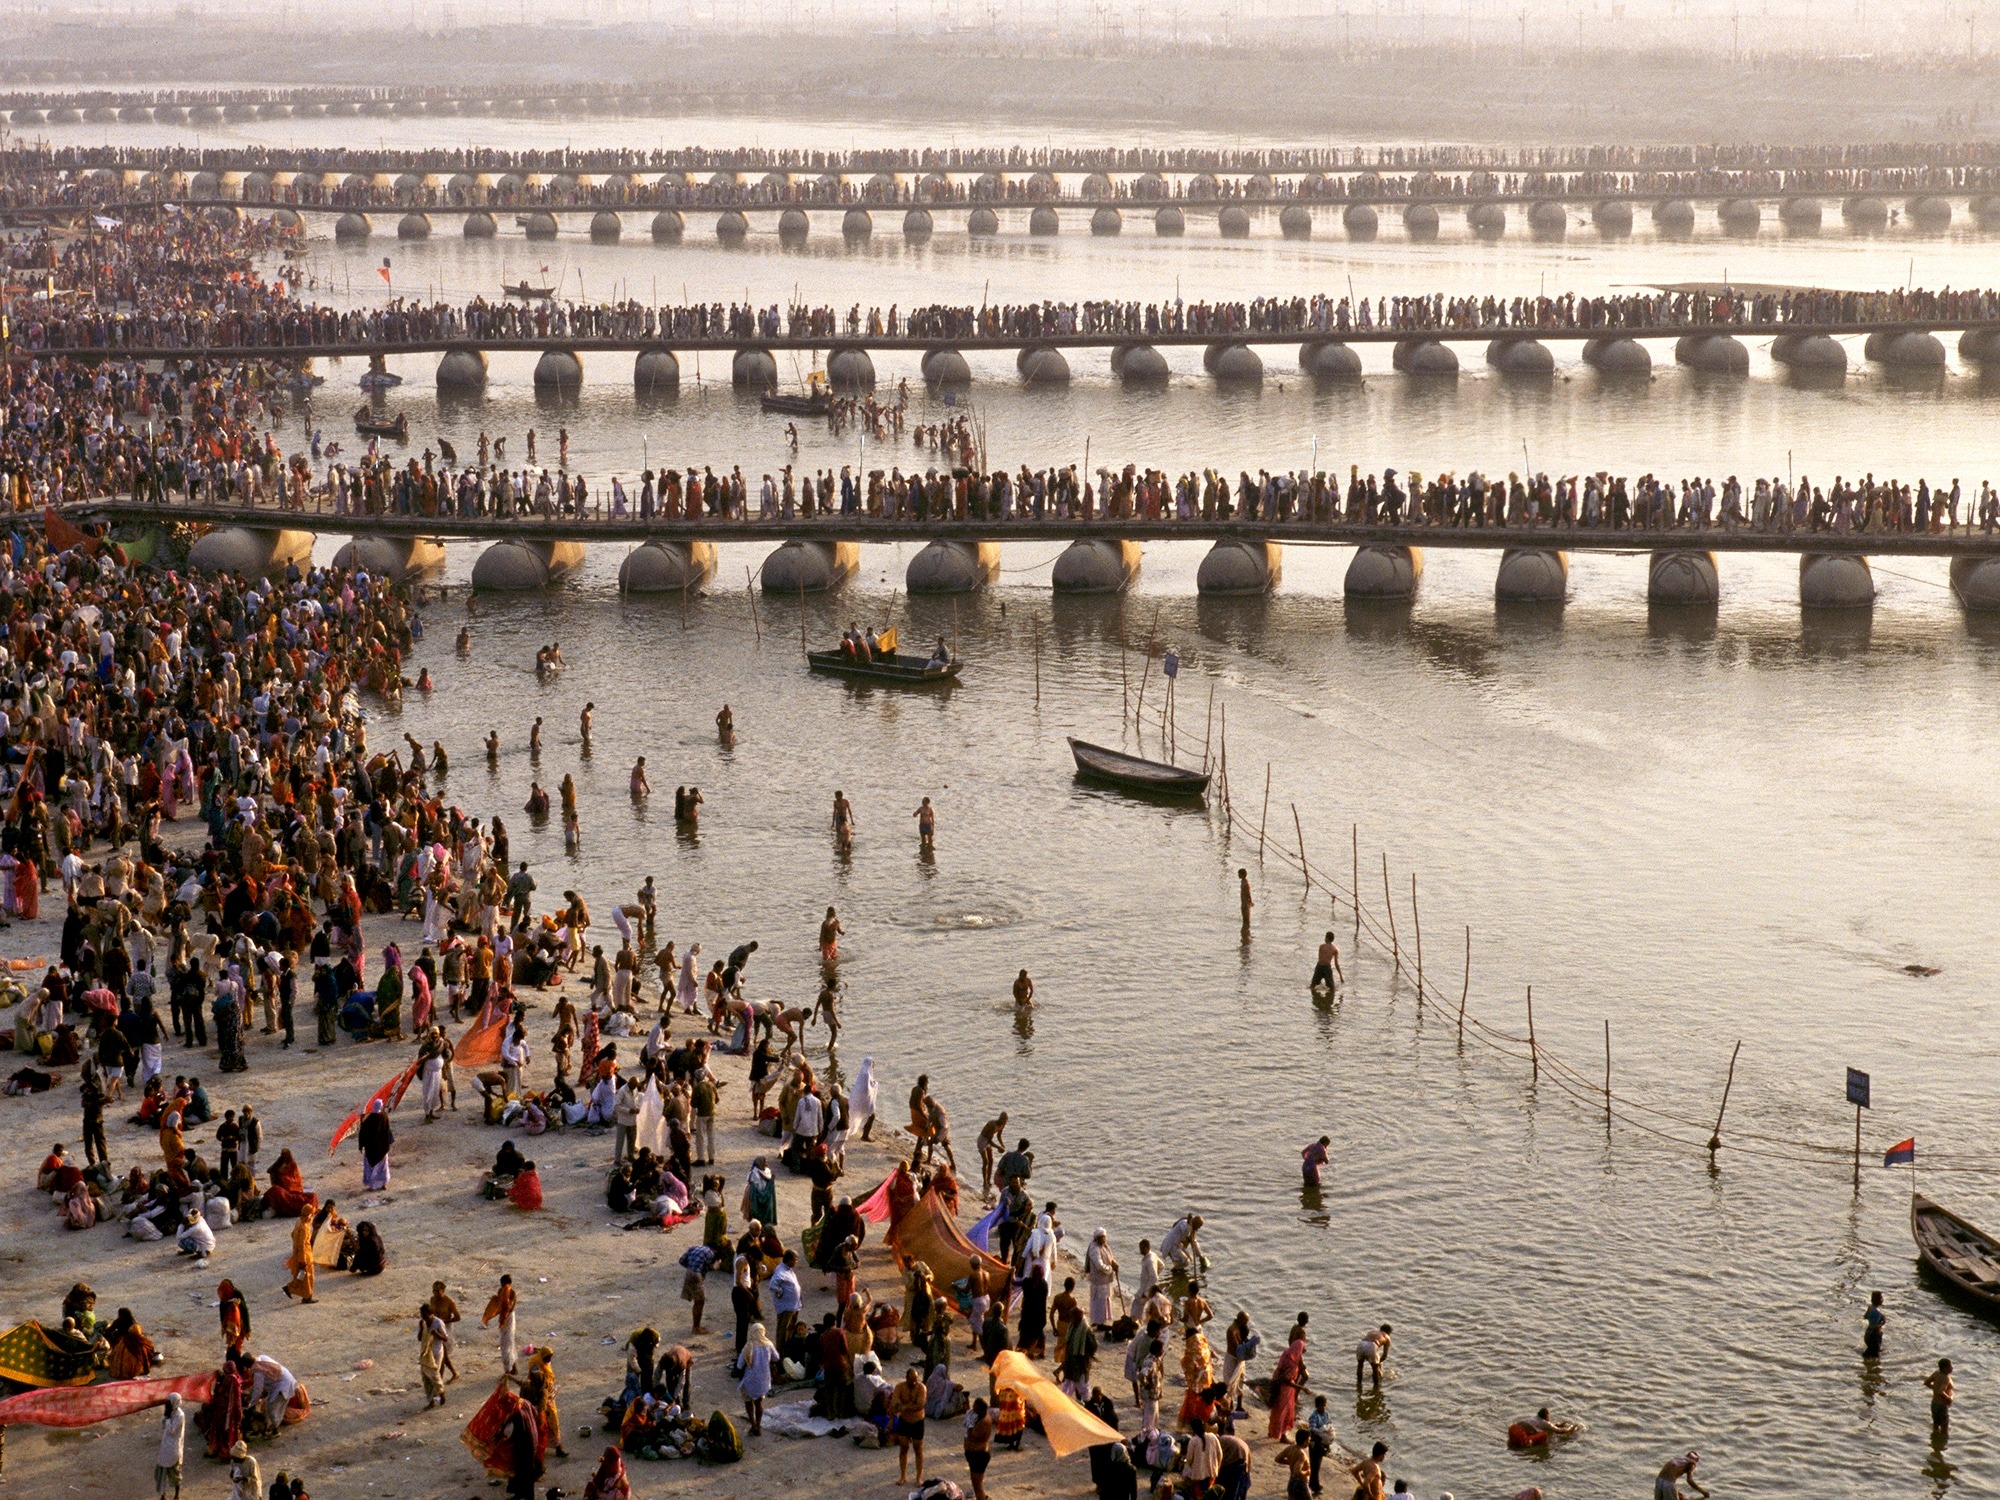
{"x": 1566, "y": 1078}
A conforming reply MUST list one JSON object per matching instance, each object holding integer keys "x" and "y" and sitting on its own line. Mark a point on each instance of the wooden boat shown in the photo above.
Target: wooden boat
{"x": 527, "y": 293}
{"x": 1965, "y": 1259}
{"x": 369, "y": 425}
{"x": 886, "y": 666}
{"x": 814, "y": 405}
{"x": 1132, "y": 773}
{"x": 380, "y": 380}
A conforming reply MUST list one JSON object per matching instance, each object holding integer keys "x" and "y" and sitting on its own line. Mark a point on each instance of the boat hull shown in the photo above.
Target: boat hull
{"x": 899, "y": 671}
{"x": 1130, "y": 773}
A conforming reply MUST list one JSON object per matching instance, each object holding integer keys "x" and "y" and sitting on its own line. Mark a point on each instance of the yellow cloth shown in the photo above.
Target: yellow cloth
{"x": 1066, "y": 1424}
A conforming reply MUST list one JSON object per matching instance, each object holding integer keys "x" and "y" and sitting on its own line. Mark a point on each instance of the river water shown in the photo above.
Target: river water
{"x": 1734, "y": 827}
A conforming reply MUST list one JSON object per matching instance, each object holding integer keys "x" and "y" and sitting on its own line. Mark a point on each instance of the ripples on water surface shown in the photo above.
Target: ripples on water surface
{"x": 1734, "y": 827}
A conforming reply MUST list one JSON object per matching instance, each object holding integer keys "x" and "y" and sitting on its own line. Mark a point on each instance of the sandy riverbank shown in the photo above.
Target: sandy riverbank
{"x": 585, "y": 1285}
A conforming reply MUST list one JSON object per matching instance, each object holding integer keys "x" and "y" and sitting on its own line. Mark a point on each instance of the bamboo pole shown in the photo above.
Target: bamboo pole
{"x": 1265, "y": 816}
{"x": 1466, "y": 989}
{"x": 1038, "y": 663}
{"x": 1228, "y": 808}
{"x": 1146, "y": 672}
{"x": 1357, "y": 887}
{"x": 1607, "y": 1076}
{"x": 1304, "y": 868}
{"x": 802, "y": 616}
{"x": 1417, "y": 917}
{"x": 1395, "y": 942}
{"x": 1715, "y": 1138}
{"x": 1534, "y": 1050}
{"x": 1208, "y": 729}
{"x": 750, "y": 588}
{"x": 1124, "y": 682}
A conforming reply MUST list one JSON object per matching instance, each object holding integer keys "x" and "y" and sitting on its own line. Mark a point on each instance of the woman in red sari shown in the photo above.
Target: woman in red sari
{"x": 221, "y": 1416}
{"x": 527, "y": 1189}
{"x": 505, "y": 1437}
{"x": 28, "y": 890}
{"x": 235, "y": 1314}
{"x": 1286, "y": 1379}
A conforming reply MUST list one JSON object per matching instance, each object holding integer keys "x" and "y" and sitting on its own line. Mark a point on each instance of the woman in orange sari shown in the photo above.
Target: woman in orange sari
{"x": 173, "y": 1147}
{"x": 300, "y": 1261}
{"x": 287, "y": 1193}
{"x": 132, "y": 1353}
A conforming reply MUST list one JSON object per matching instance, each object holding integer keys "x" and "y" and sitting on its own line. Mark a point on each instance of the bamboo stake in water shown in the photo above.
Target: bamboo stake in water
{"x": 1418, "y": 918}
{"x": 1146, "y": 672}
{"x": 1534, "y": 1051}
{"x": 1467, "y": 988}
{"x": 750, "y": 588}
{"x": 1607, "y": 1077}
{"x": 1355, "y": 888}
{"x": 1715, "y": 1138}
{"x": 1038, "y": 663}
{"x": 1265, "y": 816}
{"x": 1208, "y": 729}
{"x": 1304, "y": 868}
{"x": 1395, "y": 943}
{"x": 1228, "y": 807}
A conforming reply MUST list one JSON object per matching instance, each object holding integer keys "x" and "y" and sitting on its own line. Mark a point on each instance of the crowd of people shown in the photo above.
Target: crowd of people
{"x": 199, "y": 426}
{"x": 1647, "y": 503}
{"x": 251, "y": 316}
{"x": 613, "y": 179}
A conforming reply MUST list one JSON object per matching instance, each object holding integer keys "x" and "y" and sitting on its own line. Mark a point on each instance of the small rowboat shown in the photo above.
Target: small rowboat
{"x": 889, "y": 668}
{"x": 527, "y": 293}
{"x": 815, "y": 405}
{"x": 370, "y": 425}
{"x": 1965, "y": 1259}
{"x": 1132, "y": 773}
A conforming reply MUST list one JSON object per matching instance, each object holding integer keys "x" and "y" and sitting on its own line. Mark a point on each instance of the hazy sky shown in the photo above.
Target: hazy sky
{"x": 1726, "y": 26}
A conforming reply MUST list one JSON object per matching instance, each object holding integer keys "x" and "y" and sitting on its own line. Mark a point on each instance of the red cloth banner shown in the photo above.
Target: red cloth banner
{"x": 81, "y": 1406}
{"x": 388, "y": 1096}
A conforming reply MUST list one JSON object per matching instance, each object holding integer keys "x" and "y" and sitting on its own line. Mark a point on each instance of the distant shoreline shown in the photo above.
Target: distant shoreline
{"x": 1300, "y": 94}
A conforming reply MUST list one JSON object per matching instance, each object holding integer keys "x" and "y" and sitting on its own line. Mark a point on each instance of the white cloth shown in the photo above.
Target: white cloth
{"x": 861, "y": 1097}
{"x": 433, "y": 1078}
{"x": 1041, "y": 1248}
{"x": 650, "y": 1130}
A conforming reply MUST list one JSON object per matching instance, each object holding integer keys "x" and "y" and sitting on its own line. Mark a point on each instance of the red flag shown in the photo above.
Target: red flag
{"x": 1902, "y": 1154}
{"x": 388, "y": 1096}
